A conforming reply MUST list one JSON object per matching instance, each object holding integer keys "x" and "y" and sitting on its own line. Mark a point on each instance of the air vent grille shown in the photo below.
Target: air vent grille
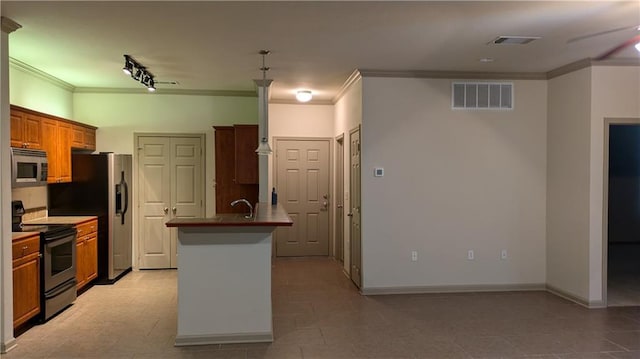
{"x": 482, "y": 95}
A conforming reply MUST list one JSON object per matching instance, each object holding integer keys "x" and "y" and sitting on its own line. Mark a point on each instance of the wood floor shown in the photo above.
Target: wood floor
{"x": 319, "y": 314}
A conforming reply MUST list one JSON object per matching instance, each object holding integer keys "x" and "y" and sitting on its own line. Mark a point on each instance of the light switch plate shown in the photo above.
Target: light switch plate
{"x": 378, "y": 172}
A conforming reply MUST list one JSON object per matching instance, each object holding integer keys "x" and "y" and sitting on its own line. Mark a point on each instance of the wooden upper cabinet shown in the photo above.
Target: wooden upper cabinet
{"x": 246, "y": 158}
{"x": 25, "y": 130}
{"x": 83, "y": 138}
{"x": 55, "y": 135}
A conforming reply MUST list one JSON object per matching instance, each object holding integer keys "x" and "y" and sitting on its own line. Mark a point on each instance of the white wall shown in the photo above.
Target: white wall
{"x": 347, "y": 116}
{"x": 568, "y": 183}
{"x": 35, "y": 93}
{"x": 455, "y": 180}
{"x": 615, "y": 93}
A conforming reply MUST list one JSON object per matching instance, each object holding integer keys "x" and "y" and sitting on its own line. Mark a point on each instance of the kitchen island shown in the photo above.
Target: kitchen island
{"x": 224, "y": 276}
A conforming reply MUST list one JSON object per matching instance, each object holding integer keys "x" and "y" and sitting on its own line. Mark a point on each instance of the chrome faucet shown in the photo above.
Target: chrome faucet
{"x": 242, "y": 200}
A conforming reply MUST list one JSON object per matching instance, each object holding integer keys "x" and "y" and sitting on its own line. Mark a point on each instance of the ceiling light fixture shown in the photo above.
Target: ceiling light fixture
{"x": 486, "y": 59}
{"x": 139, "y": 73}
{"x": 304, "y": 95}
{"x": 638, "y": 47}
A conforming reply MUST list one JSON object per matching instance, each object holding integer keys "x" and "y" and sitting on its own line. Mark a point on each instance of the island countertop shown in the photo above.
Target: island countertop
{"x": 264, "y": 215}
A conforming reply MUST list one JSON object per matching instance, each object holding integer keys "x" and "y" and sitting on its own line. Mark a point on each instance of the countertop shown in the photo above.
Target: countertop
{"x": 265, "y": 215}
{"x": 15, "y": 236}
{"x": 61, "y": 220}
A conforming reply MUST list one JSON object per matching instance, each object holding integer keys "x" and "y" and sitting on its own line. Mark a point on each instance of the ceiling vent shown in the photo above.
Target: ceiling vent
{"x": 513, "y": 40}
{"x": 482, "y": 95}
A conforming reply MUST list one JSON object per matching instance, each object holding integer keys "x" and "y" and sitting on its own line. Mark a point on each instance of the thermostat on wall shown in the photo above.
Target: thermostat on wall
{"x": 378, "y": 172}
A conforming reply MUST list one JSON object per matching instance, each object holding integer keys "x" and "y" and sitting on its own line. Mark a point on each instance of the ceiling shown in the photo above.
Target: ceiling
{"x": 315, "y": 45}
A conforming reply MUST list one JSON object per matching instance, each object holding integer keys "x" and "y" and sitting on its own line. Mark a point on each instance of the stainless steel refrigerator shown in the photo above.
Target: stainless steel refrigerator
{"x": 101, "y": 186}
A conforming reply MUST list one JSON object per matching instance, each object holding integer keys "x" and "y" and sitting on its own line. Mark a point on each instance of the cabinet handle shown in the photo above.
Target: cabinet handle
{"x": 174, "y": 210}
{"x": 166, "y": 210}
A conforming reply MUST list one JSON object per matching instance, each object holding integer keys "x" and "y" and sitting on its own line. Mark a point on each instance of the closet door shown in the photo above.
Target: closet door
{"x": 169, "y": 186}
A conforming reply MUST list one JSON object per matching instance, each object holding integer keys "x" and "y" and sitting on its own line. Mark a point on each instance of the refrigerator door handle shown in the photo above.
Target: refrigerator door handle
{"x": 126, "y": 197}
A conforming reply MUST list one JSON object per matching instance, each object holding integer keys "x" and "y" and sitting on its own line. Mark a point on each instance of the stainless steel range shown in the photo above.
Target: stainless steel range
{"x": 57, "y": 266}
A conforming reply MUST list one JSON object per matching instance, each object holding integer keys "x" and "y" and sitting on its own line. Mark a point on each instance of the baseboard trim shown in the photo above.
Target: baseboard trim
{"x": 10, "y": 344}
{"x": 576, "y": 299}
{"x": 186, "y": 340}
{"x": 454, "y": 289}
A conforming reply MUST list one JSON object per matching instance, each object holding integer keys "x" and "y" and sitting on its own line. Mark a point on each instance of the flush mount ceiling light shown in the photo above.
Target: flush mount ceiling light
{"x": 304, "y": 95}
{"x": 514, "y": 40}
{"x": 486, "y": 59}
{"x": 138, "y": 73}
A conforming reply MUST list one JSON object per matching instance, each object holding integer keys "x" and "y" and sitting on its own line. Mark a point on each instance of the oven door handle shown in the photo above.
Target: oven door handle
{"x": 60, "y": 289}
{"x": 71, "y": 232}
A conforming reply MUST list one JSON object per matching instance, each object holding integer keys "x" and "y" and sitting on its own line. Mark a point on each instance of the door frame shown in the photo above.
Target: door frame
{"x": 358, "y": 129}
{"x": 605, "y": 201}
{"x": 135, "y": 253}
{"x": 274, "y": 174}
{"x": 339, "y": 184}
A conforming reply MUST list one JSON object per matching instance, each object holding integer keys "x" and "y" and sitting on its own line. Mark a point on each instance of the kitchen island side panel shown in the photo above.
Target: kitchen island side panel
{"x": 224, "y": 287}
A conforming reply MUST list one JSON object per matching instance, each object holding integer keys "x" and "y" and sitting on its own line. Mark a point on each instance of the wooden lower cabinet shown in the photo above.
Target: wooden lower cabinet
{"x": 86, "y": 253}
{"x": 26, "y": 279}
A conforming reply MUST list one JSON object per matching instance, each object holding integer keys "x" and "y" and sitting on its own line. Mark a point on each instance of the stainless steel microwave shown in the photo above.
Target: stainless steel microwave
{"x": 28, "y": 167}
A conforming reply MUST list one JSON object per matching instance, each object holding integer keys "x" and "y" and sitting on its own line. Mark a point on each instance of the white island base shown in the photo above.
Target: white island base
{"x": 224, "y": 286}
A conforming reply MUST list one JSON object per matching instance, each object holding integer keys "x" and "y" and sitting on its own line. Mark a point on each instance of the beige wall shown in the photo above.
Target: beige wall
{"x": 568, "y": 144}
{"x": 348, "y": 115}
{"x": 29, "y": 91}
{"x": 615, "y": 93}
{"x": 455, "y": 180}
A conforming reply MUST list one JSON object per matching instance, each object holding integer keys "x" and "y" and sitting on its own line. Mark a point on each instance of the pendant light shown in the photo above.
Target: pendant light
{"x": 263, "y": 108}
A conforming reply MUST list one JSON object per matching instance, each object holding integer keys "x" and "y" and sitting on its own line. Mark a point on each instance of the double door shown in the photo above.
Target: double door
{"x": 170, "y": 185}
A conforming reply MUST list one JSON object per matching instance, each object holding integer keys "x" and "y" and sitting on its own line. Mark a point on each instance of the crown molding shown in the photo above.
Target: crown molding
{"x": 568, "y": 68}
{"x": 8, "y": 26}
{"x": 617, "y": 62}
{"x": 455, "y": 75}
{"x": 26, "y": 68}
{"x": 159, "y": 91}
{"x": 355, "y": 76}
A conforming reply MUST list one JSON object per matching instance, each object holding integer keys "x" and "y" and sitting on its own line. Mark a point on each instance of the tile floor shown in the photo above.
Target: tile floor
{"x": 319, "y": 314}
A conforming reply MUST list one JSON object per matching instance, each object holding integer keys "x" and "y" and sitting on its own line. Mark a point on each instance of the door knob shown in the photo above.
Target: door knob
{"x": 339, "y": 206}
{"x": 350, "y": 214}
{"x": 174, "y": 210}
{"x": 166, "y": 210}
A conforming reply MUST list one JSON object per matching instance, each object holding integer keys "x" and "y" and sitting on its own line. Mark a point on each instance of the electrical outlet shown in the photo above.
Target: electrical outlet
{"x": 414, "y": 256}
{"x": 470, "y": 255}
{"x": 503, "y": 254}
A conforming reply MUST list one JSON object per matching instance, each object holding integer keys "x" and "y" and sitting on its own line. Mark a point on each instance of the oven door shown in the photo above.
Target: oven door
{"x": 59, "y": 259}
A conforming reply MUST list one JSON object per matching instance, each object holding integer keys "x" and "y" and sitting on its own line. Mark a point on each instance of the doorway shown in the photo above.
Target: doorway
{"x": 622, "y": 212}
{"x": 354, "y": 213}
{"x": 302, "y": 179}
{"x": 170, "y": 185}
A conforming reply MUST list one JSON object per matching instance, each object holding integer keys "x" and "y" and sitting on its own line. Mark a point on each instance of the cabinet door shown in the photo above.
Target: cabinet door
{"x": 246, "y": 163}
{"x": 80, "y": 264}
{"x": 50, "y": 145}
{"x": 77, "y": 136}
{"x": 26, "y": 289}
{"x": 90, "y": 139}
{"x": 64, "y": 151}
{"x": 17, "y": 129}
{"x": 31, "y": 128}
{"x": 91, "y": 257}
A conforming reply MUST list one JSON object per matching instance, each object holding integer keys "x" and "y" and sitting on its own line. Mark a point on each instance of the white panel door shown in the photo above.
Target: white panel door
{"x": 302, "y": 180}
{"x": 186, "y": 194}
{"x": 154, "y": 197}
{"x": 170, "y": 172}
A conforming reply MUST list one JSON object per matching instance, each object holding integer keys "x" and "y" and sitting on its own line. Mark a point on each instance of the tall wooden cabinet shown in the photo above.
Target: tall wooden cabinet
{"x": 236, "y": 166}
{"x": 26, "y": 278}
{"x": 56, "y": 140}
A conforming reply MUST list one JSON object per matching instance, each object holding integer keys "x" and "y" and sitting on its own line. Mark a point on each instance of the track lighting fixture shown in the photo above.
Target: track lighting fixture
{"x": 138, "y": 73}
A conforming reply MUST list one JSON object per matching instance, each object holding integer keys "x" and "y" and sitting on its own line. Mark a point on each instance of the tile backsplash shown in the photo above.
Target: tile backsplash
{"x": 34, "y": 200}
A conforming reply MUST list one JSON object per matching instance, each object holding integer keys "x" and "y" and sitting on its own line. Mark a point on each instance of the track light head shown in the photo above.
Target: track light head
{"x": 128, "y": 65}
